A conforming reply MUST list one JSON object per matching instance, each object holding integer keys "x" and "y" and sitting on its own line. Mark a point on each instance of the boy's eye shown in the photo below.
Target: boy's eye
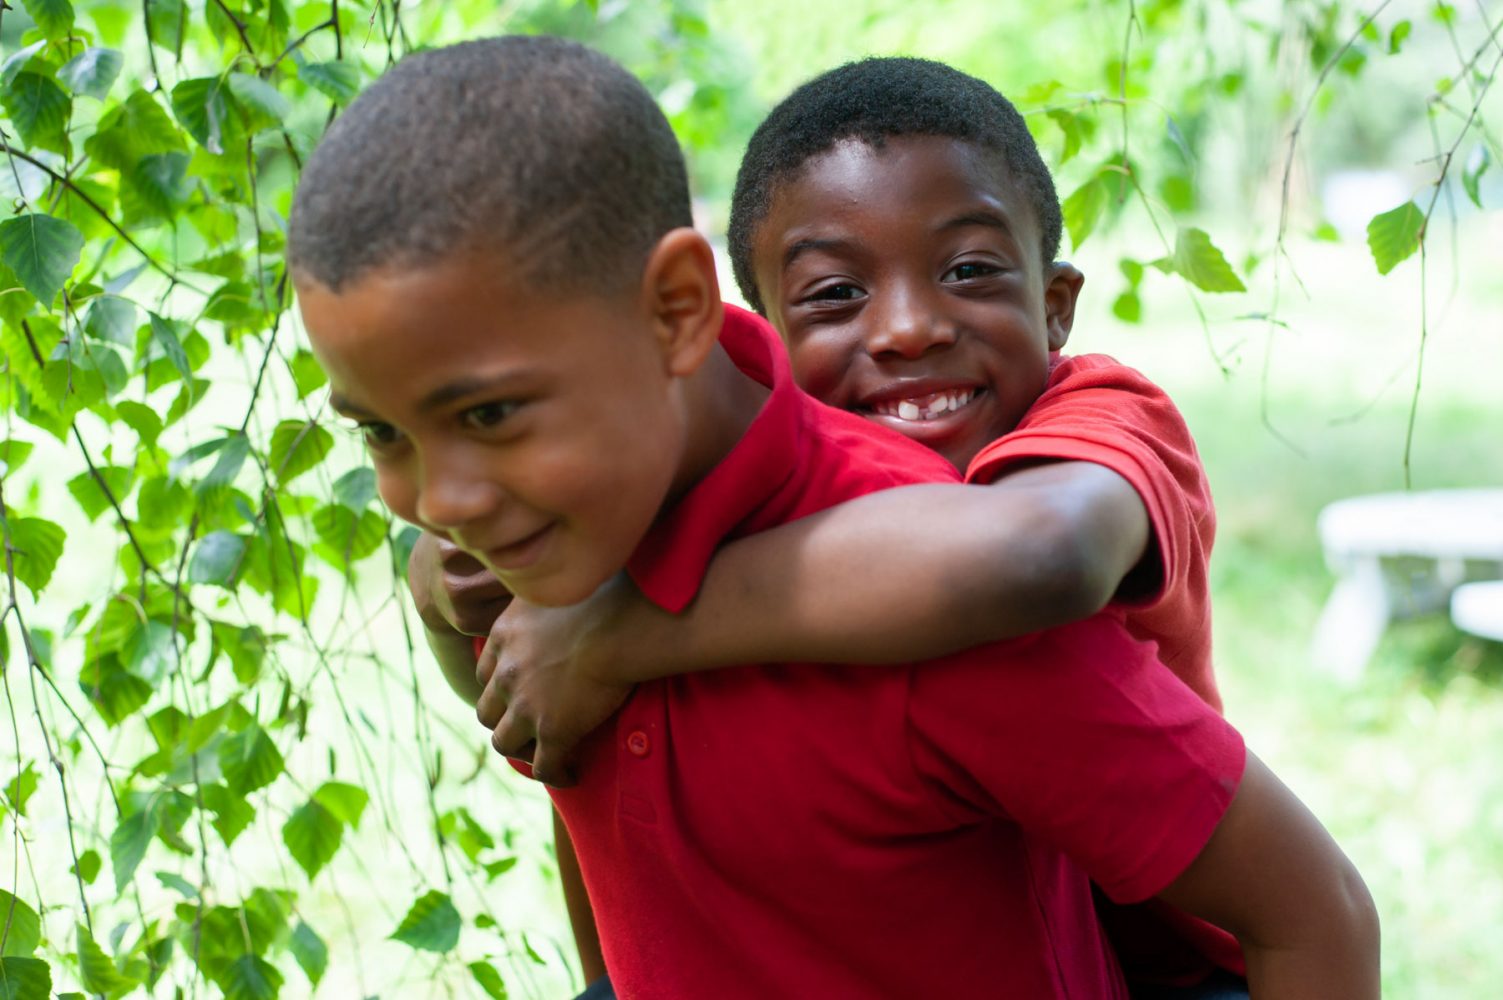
{"x": 488, "y": 414}
{"x": 970, "y": 271}
{"x": 378, "y": 435}
{"x": 838, "y": 292}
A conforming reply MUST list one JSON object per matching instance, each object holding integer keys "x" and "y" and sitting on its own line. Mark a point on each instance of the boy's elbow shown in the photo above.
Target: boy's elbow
{"x": 1075, "y": 578}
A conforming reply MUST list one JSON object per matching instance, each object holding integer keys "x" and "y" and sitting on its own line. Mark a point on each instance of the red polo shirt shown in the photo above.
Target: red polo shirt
{"x": 823, "y": 831}
{"x": 1096, "y": 410}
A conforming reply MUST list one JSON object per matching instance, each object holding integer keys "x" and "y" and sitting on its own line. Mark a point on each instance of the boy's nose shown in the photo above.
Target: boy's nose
{"x": 454, "y": 500}
{"x": 908, "y": 328}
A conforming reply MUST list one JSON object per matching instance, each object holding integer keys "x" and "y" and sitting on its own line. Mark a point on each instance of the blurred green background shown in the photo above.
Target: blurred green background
{"x": 1157, "y": 117}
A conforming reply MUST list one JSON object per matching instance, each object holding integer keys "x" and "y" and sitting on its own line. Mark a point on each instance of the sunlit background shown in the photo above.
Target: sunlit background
{"x": 1280, "y": 130}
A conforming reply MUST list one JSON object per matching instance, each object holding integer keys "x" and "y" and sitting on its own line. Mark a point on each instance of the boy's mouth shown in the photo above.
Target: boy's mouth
{"x": 929, "y": 406}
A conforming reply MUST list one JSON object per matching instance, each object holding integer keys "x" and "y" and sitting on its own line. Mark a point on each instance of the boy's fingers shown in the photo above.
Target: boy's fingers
{"x": 485, "y": 663}
{"x": 492, "y": 704}
{"x": 514, "y": 736}
{"x": 551, "y": 766}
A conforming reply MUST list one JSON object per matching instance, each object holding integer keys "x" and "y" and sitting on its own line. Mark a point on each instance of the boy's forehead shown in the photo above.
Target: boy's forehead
{"x": 895, "y": 179}
{"x": 405, "y": 326}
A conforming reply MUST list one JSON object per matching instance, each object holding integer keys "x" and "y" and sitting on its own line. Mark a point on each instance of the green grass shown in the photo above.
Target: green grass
{"x": 1402, "y": 765}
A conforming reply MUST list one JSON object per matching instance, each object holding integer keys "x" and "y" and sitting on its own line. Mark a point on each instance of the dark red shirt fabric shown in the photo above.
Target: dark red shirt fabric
{"x": 830, "y": 831}
{"x": 1096, "y": 410}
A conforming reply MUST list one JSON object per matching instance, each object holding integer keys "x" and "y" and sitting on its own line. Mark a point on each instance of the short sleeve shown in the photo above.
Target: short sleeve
{"x": 1095, "y": 410}
{"x": 1084, "y": 740}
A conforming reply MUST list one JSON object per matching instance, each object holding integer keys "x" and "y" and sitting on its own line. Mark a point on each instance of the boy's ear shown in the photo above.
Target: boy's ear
{"x": 681, "y": 296}
{"x": 1062, "y": 281}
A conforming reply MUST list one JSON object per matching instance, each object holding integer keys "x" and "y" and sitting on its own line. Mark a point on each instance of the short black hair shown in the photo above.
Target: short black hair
{"x": 873, "y": 100}
{"x": 535, "y": 147}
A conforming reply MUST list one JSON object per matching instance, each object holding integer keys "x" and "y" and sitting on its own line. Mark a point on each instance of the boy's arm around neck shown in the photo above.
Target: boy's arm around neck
{"x": 906, "y": 574}
{"x": 1272, "y": 876}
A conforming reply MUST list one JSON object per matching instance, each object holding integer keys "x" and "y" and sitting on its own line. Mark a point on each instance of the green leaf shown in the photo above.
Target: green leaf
{"x": 345, "y": 802}
{"x": 1397, "y": 35}
{"x": 167, "y": 21}
{"x": 36, "y": 544}
{"x": 20, "y": 925}
{"x": 1082, "y": 210}
{"x": 488, "y": 979}
{"x": 232, "y": 814}
{"x": 337, "y": 80}
{"x": 347, "y": 538}
{"x": 53, "y": 17}
{"x": 1395, "y": 235}
{"x": 135, "y": 128}
{"x": 1128, "y": 307}
{"x": 217, "y": 558}
{"x": 179, "y": 884}
{"x": 113, "y": 320}
{"x": 296, "y": 447}
{"x": 88, "y": 866}
{"x": 1070, "y": 125}
{"x": 140, "y": 418}
{"x": 115, "y": 692}
{"x": 165, "y": 334}
{"x": 39, "y": 109}
{"x": 151, "y": 653}
{"x": 21, "y": 788}
{"x": 493, "y": 869}
{"x": 309, "y": 950}
{"x": 263, "y": 105}
{"x": 1199, "y": 262}
{"x": 18, "y": 61}
{"x": 306, "y": 373}
{"x": 92, "y": 72}
{"x": 249, "y": 760}
{"x": 25, "y": 979}
{"x": 246, "y": 648}
{"x": 13, "y": 454}
{"x": 158, "y": 186}
{"x": 431, "y": 925}
{"x": 42, "y": 251}
{"x": 250, "y": 977}
{"x": 356, "y": 489}
{"x": 95, "y": 969}
{"x": 129, "y": 842}
{"x": 202, "y": 107}
{"x": 1477, "y": 163}
{"x": 232, "y": 455}
{"x": 91, "y": 497}
{"x": 312, "y": 835}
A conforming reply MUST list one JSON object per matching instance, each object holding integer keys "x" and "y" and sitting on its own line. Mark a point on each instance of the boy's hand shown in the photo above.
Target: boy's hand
{"x": 548, "y": 678}
{"x": 451, "y": 589}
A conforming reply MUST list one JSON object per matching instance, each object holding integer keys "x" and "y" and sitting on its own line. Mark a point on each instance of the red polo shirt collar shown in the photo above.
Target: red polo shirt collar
{"x": 669, "y": 563}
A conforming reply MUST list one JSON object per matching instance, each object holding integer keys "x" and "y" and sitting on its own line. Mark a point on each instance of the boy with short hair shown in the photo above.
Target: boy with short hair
{"x": 537, "y": 354}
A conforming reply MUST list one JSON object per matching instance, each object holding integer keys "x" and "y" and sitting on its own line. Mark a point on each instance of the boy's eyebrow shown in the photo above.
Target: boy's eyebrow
{"x": 440, "y": 397}
{"x": 345, "y": 407}
{"x": 980, "y": 217}
{"x": 803, "y": 246}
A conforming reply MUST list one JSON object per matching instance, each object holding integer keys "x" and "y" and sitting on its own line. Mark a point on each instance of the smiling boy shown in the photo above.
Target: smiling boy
{"x": 532, "y": 340}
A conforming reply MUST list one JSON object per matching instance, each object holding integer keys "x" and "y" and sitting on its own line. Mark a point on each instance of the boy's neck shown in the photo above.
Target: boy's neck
{"x": 720, "y": 402}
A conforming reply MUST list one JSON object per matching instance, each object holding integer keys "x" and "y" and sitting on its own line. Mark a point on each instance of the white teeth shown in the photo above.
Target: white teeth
{"x": 928, "y": 407}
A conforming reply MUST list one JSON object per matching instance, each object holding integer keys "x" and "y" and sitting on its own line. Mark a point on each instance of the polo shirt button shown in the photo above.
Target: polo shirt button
{"x": 638, "y": 743}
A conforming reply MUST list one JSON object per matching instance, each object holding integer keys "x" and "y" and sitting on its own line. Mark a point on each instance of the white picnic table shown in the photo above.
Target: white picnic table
{"x": 1478, "y": 608}
{"x": 1401, "y": 554}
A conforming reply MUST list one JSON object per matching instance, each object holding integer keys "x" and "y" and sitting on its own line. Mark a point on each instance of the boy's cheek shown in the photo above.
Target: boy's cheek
{"x": 398, "y": 495}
